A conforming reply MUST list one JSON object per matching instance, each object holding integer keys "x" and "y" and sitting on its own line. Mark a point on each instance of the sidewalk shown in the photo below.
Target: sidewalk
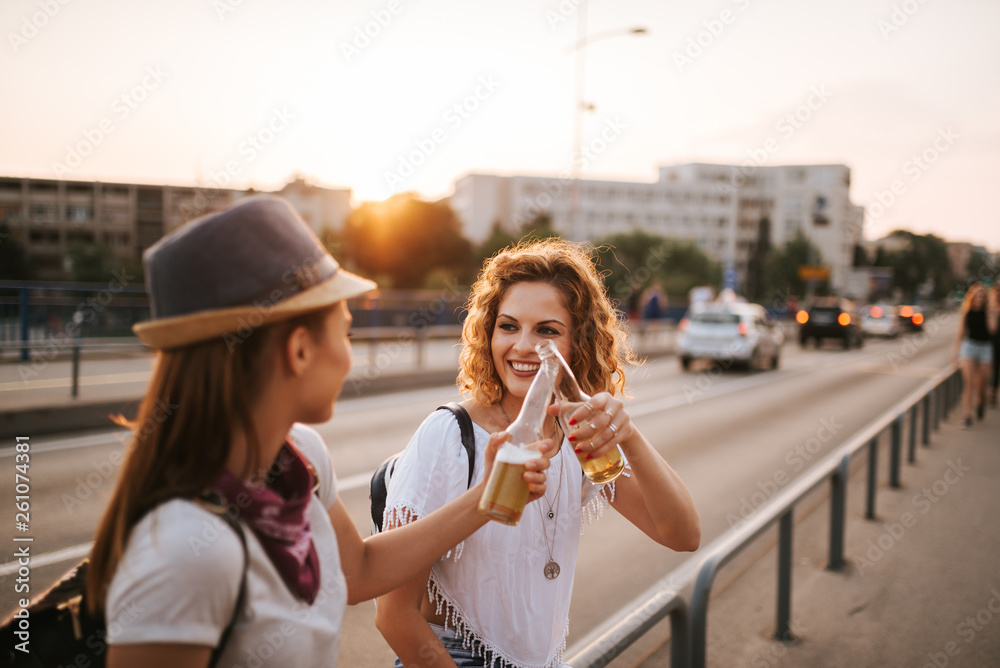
{"x": 922, "y": 584}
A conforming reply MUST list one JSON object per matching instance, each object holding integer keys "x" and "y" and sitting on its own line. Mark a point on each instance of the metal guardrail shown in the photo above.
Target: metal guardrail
{"x": 689, "y": 617}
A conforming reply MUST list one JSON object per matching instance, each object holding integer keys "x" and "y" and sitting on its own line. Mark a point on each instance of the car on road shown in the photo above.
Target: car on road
{"x": 730, "y": 335}
{"x": 830, "y": 318}
{"x": 880, "y": 320}
{"x": 911, "y": 318}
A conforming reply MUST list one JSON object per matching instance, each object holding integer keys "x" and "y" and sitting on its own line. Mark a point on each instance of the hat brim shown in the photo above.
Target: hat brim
{"x": 242, "y": 320}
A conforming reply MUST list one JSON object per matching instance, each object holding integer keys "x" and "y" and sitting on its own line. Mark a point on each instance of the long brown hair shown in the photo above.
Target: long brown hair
{"x": 198, "y": 397}
{"x": 598, "y": 338}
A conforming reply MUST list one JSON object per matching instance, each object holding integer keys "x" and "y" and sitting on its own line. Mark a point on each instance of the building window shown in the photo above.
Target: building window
{"x": 48, "y": 237}
{"x": 79, "y": 214}
{"x": 79, "y": 237}
{"x": 43, "y": 213}
{"x": 11, "y": 213}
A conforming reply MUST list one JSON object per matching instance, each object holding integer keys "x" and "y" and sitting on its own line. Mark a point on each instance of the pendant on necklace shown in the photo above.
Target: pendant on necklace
{"x": 551, "y": 514}
{"x": 551, "y": 569}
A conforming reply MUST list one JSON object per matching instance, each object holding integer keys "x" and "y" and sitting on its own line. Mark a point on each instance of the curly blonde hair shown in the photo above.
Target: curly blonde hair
{"x": 598, "y": 336}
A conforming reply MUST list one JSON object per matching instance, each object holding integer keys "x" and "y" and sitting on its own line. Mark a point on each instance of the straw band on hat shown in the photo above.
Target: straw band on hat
{"x": 253, "y": 264}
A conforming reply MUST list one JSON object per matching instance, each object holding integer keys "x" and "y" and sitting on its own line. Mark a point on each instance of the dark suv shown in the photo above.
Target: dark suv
{"x": 831, "y": 318}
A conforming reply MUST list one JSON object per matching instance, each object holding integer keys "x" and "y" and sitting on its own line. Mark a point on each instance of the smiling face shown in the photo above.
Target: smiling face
{"x": 528, "y": 313}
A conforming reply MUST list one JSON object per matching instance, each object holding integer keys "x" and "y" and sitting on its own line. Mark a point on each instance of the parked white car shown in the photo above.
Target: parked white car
{"x": 880, "y": 320}
{"x": 742, "y": 335}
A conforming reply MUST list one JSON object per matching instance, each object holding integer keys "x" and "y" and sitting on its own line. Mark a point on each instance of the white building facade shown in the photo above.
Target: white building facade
{"x": 718, "y": 207}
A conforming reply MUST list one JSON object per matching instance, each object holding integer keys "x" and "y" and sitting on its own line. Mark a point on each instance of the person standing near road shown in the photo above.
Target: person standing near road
{"x": 974, "y": 347}
{"x": 251, "y": 324}
{"x": 996, "y": 348}
{"x": 502, "y": 598}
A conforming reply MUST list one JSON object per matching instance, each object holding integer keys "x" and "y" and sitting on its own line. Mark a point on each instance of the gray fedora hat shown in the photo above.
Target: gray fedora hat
{"x": 253, "y": 264}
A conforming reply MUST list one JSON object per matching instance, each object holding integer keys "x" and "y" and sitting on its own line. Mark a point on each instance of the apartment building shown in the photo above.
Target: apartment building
{"x": 49, "y": 216}
{"x": 718, "y": 207}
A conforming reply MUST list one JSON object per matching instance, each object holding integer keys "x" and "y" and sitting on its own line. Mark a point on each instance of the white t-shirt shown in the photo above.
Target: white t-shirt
{"x": 180, "y": 575}
{"x": 492, "y": 587}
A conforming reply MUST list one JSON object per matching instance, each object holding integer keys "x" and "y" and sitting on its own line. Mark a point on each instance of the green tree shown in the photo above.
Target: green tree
{"x": 91, "y": 263}
{"x": 498, "y": 239}
{"x": 13, "y": 259}
{"x": 402, "y": 240}
{"x": 782, "y": 269}
{"x": 924, "y": 262}
{"x": 630, "y": 262}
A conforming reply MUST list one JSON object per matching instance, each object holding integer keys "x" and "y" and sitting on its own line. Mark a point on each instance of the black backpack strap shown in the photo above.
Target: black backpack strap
{"x": 468, "y": 435}
{"x": 378, "y": 491}
{"x": 213, "y": 503}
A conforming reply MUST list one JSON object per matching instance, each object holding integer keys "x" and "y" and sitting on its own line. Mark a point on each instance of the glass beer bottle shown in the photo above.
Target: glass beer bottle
{"x": 608, "y": 466}
{"x": 506, "y": 491}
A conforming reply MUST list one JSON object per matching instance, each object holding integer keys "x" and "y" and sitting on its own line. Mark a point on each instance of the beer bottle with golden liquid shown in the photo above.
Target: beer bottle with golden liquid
{"x": 506, "y": 491}
{"x": 608, "y": 466}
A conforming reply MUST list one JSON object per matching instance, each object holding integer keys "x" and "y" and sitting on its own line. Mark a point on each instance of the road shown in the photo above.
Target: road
{"x": 736, "y": 438}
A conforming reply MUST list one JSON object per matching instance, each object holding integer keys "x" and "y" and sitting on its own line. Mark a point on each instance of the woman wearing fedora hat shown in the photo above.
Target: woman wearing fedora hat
{"x": 250, "y": 319}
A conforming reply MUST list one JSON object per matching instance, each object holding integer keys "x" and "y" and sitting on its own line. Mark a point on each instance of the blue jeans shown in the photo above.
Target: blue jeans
{"x": 453, "y": 645}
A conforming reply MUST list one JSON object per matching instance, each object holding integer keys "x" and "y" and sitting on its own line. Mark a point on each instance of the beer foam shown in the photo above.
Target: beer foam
{"x": 514, "y": 454}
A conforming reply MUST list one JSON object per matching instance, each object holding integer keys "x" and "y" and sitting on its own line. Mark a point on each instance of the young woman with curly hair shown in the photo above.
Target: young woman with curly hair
{"x": 973, "y": 349}
{"x": 493, "y": 601}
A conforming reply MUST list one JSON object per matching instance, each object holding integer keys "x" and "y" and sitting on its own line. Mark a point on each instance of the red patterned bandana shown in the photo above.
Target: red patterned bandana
{"x": 276, "y": 514}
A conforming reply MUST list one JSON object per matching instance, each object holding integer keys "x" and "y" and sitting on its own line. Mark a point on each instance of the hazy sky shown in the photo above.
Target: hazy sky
{"x": 906, "y": 93}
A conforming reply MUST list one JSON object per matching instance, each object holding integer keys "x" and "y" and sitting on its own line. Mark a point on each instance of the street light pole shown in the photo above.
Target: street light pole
{"x": 582, "y": 42}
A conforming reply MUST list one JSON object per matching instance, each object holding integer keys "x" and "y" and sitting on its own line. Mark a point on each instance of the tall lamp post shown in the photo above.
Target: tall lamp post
{"x": 582, "y": 42}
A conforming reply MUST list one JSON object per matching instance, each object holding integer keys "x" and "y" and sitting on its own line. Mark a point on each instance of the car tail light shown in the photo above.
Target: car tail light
{"x": 876, "y": 312}
{"x": 683, "y": 324}
{"x": 743, "y": 328}
{"x": 917, "y": 318}
{"x": 844, "y": 319}
{"x": 802, "y": 317}
{"x": 906, "y": 311}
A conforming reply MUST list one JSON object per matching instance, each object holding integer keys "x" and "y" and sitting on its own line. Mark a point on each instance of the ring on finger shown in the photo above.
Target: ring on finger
{"x": 613, "y": 428}
{"x": 607, "y": 411}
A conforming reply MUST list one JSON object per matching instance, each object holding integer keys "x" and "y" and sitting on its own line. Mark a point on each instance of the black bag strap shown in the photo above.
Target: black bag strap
{"x": 212, "y": 502}
{"x": 468, "y": 435}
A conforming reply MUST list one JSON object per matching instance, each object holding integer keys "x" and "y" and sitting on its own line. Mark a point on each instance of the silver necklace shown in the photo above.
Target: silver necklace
{"x": 551, "y": 570}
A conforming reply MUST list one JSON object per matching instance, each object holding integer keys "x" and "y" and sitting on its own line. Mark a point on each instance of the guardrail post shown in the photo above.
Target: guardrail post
{"x": 927, "y": 419}
{"x": 783, "y": 630}
{"x": 936, "y": 393}
{"x": 421, "y": 340}
{"x": 838, "y": 513}
{"x": 24, "y": 323}
{"x": 76, "y": 372}
{"x": 872, "y": 477}
{"x": 912, "y": 457}
{"x": 699, "y": 613}
{"x": 894, "y": 452}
